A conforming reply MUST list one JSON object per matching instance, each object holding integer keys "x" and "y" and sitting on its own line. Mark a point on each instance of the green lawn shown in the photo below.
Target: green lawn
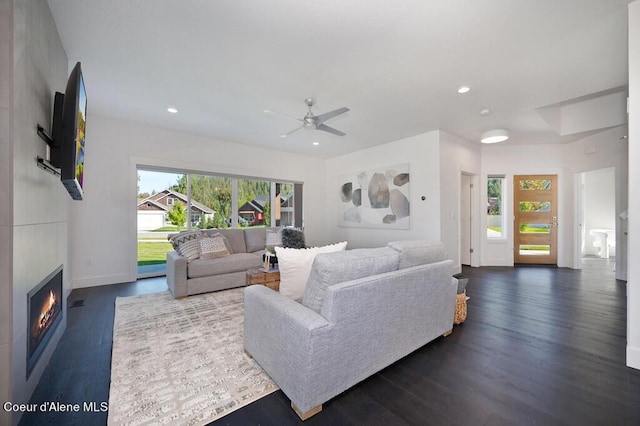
{"x": 535, "y": 230}
{"x": 535, "y": 248}
{"x": 152, "y": 253}
{"x": 525, "y": 230}
{"x": 170, "y": 228}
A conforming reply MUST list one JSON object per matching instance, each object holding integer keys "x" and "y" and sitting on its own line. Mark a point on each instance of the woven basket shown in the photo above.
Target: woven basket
{"x": 461, "y": 308}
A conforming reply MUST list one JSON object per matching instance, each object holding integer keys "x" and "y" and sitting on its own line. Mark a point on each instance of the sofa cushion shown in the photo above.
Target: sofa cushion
{"x": 213, "y": 247}
{"x": 235, "y": 238}
{"x": 418, "y": 252}
{"x": 254, "y": 239}
{"x": 236, "y": 262}
{"x": 295, "y": 265}
{"x": 333, "y": 268}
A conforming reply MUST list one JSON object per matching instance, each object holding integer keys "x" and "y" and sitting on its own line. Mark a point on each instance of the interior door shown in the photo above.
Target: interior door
{"x": 536, "y": 219}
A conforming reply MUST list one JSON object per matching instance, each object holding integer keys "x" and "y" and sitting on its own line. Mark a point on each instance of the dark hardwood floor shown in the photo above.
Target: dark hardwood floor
{"x": 540, "y": 346}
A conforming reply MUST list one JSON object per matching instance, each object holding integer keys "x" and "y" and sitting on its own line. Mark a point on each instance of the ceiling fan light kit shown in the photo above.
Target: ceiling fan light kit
{"x": 494, "y": 136}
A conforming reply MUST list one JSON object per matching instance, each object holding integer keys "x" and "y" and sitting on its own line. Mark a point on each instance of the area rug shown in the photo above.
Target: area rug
{"x": 181, "y": 362}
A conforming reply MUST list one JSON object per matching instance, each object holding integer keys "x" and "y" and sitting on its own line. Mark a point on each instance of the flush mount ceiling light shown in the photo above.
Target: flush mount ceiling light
{"x": 494, "y": 136}
{"x": 172, "y": 110}
{"x": 463, "y": 89}
{"x": 316, "y": 143}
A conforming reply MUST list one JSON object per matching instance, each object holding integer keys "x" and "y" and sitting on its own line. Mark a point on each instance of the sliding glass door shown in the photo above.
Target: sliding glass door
{"x": 171, "y": 201}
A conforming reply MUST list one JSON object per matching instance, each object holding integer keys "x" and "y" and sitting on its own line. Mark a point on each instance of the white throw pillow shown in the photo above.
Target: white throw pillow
{"x": 295, "y": 267}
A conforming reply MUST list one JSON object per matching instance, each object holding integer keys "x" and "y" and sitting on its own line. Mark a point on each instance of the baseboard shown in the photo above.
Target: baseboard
{"x": 633, "y": 357}
{"x": 101, "y": 280}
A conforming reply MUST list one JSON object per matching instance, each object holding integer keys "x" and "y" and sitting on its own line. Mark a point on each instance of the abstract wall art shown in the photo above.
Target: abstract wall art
{"x": 376, "y": 198}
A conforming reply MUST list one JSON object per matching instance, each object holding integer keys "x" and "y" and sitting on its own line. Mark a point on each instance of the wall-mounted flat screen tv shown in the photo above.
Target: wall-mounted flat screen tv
{"x": 69, "y": 122}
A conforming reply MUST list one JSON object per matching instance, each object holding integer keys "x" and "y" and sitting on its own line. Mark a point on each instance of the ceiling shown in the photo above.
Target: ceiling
{"x": 395, "y": 64}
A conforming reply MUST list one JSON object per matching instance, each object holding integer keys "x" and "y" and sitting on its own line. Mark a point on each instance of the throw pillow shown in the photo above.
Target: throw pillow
{"x": 213, "y": 232}
{"x": 295, "y": 267}
{"x": 273, "y": 238}
{"x": 190, "y": 249}
{"x": 213, "y": 247}
{"x": 183, "y": 237}
{"x": 293, "y": 238}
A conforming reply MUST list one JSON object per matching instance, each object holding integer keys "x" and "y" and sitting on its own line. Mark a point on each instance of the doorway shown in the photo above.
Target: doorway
{"x": 598, "y": 214}
{"x": 535, "y": 219}
{"x": 466, "y": 188}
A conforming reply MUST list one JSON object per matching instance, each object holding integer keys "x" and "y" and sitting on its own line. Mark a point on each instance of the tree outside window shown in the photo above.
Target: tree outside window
{"x": 495, "y": 218}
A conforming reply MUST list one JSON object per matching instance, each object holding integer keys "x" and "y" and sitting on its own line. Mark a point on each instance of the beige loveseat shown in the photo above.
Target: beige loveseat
{"x": 246, "y": 246}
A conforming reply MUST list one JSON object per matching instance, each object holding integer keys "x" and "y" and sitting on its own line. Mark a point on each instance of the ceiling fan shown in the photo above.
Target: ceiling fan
{"x": 314, "y": 122}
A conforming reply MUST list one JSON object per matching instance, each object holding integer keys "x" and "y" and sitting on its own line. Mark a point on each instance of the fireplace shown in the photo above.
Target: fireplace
{"x": 44, "y": 314}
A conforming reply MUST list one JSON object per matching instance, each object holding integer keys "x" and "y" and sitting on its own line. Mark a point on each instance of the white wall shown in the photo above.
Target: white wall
{"x": 457, "y": 156}
{"x": 510, "y": 160}
{"x": 606, "y": 149}
{"x": 40, "y": 201}
{"x": 6, "y": 208}
{"x": 103, "y": 225}
{"x": 633, "y": 283}
{"x": 421, "y": 152}
{"x": 601, "y": 150}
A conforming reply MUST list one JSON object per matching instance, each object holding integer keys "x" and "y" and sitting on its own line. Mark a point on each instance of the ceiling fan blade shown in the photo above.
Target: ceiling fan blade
{"x": 327, "y": 115}
{"x": 326, "y": 128}
{"x": 289, "y": 133}
{"x": 268, "y": 111}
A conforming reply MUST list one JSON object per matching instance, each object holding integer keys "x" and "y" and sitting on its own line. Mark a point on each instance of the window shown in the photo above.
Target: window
{"x": 495, "y": 204}
{"x": 206, "y": 201}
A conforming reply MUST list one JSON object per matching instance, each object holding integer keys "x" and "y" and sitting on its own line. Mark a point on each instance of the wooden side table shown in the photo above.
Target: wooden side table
{"x": 269, "y": 278}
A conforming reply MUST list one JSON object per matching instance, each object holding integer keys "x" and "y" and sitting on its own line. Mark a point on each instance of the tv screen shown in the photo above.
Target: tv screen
{"x": 72, "y": 135}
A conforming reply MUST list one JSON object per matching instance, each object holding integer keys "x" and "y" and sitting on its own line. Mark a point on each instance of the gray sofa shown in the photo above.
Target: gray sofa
{"x": 362, "y": 310}
{"x": 247, "y": 246}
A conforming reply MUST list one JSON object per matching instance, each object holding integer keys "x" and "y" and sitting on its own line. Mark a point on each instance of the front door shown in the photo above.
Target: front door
{"x": 536, "y": 219}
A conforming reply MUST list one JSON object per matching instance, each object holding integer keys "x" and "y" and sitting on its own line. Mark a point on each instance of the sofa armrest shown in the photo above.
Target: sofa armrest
{"x": 285, "y": 337}
{"x": 177, "y": 274}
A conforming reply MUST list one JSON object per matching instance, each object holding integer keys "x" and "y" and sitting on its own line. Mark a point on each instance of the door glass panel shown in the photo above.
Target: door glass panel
{"x": 157, "y": 200}
{"x": 535, "y": 228}
{"x": 535, "y": 184}
{"x": 535, "y": 206}
{"x": 534, "y": 250}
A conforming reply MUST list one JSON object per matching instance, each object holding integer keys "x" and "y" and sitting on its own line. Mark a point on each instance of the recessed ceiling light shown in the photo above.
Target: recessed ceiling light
{"x": 494, "y": 136}
{"x": 172, "y": 110}
{"x": 463, "y": 89}
{"x": 283, "y": 135}
{"x": 316, "y": 143}
{"x": 485, "y": 111}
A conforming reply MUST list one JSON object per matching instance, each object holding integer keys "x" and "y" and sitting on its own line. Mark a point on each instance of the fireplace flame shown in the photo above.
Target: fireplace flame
{"x": 48, "y": 309}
